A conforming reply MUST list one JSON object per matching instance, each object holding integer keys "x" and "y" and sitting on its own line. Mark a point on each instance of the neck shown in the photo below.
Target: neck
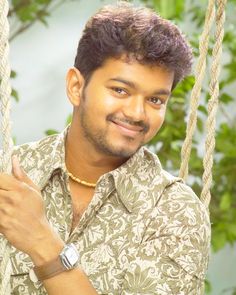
{"x": 85, "y": 162}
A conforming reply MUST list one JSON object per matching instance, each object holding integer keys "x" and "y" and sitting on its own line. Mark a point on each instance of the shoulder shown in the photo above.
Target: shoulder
{"x": 39, "y": 158}
{"x": 182, "y": 207}
{"x": 38, "y": 149}
{"x": 183, "y": 222}
{"x": 180, "y": 201}
{"x": 173, "y": 189}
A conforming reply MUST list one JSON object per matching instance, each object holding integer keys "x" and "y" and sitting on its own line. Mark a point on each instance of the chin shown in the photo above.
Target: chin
{"x": 117, "y": 148}
{"x": 123, "y": 152}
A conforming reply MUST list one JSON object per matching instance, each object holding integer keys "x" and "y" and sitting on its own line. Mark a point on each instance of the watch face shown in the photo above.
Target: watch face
{"x": 69, "y": 256}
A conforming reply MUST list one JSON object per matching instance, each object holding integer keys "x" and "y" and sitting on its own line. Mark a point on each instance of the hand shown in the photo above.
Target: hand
{"x": 22, "y": 214}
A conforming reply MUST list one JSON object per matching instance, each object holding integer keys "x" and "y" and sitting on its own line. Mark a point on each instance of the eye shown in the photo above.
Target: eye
{"x": 119, "y": 90}
{"x": 156, "y": 100}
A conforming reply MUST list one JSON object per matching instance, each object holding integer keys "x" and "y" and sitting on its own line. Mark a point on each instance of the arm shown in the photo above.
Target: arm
{"x": 71, "y": 282}
{"x": 24, "y": 224}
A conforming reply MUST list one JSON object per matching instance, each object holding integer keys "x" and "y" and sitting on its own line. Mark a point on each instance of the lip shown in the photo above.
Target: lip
{"x": 127, "y": 129}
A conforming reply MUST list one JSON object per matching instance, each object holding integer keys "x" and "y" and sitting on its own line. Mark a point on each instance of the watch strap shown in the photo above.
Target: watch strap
{"x": 49, "y": 269}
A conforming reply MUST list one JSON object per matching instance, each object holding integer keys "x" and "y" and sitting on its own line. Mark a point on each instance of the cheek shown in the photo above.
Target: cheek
{"x": 111, "y": 104}
{"x": 155, "y": 123}
{"x": 102, "y": 102}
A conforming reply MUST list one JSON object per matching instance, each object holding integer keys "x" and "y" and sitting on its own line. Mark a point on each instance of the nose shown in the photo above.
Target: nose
{"x": 134, "y": 109}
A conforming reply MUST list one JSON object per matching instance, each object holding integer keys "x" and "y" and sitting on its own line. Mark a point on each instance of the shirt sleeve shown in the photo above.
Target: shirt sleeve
{"x": 173, "y": 255}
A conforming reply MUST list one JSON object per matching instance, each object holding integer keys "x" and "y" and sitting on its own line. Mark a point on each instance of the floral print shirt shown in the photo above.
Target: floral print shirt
{"x": 144, "y": 232}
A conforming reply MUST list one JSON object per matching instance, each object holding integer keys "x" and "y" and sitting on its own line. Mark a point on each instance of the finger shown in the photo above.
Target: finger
{"x": 5, "y": 197}
{"x": 16, "y": 169}
{"x": 8, "y": 182}
{"x": 20, "y": 174}
{"x": 8, "y": 200}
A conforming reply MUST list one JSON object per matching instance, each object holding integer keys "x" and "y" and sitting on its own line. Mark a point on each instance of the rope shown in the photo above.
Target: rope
{"x": 194, "y": 99}
{"x": 5, "y": 92}
{"x": 213, "y": 103}
{"x": 214, "y": 95}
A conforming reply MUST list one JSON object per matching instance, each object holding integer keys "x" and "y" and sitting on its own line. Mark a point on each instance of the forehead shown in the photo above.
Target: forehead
{"x": 146, "y": 76}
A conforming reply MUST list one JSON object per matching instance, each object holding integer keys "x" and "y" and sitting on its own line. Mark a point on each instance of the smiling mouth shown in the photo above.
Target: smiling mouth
{"x": 128, "y": 129}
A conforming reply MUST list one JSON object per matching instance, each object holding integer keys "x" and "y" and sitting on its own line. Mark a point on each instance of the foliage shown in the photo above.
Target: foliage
{"x": 28, "y": 12}
{"x": 23, "y": 14}
{"x": 169, "y": 141}
{"x": 171, "y": 9}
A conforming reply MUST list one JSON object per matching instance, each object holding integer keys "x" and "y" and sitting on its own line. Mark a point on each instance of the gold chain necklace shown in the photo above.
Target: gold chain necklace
{"x": 85, "y": 183}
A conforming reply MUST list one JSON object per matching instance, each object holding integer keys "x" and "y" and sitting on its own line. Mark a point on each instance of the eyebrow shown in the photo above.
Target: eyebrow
{"x": 134, "y": 86}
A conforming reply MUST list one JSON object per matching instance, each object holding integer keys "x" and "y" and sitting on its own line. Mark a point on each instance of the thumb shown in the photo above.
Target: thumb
{"x": 16, "y": 169}
{"x": 20, "y": 174}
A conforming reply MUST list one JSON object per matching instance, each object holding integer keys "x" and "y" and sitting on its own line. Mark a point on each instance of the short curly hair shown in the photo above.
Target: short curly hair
{"x": 139, "y": 33}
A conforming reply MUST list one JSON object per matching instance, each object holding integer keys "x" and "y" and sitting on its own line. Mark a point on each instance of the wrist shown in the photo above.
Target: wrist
{"x": 47, "y": 249}
{"x": 68, "y": 259}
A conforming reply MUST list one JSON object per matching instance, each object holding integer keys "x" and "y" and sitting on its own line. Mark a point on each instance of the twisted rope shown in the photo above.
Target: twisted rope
{"x": 5, "y": 92}
{"x": 196, "y": 91}
{"x": 213, "y": 103}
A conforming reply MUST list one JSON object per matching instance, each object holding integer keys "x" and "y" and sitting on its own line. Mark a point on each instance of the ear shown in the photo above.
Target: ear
{"x": 74, "y": 86}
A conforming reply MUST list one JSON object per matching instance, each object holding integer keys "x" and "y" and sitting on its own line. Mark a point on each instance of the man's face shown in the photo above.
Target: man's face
{"x": 123, "y": 106}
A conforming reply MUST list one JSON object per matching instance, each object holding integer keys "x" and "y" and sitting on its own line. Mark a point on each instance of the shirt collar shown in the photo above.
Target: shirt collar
{"x": 141, "y": 178}
{"x": 140, "y": 174}
{"x": 55, "y": 147}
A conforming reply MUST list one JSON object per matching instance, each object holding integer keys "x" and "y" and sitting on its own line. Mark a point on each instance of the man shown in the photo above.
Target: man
{"x": 135, "y": 228}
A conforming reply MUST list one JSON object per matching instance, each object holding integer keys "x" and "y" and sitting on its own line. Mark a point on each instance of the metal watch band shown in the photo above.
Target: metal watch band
{"x": 49, "y": 270}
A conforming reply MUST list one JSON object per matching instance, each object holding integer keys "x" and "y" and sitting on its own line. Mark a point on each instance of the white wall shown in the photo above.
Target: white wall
{"x": 41, "y": 57}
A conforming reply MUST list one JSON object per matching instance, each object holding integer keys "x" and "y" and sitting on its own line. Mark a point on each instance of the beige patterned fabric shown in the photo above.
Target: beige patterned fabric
{"x": 144, "y": 232}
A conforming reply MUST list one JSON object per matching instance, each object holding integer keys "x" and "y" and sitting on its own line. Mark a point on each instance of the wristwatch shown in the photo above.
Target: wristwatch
{"x": 68, "y": 259}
